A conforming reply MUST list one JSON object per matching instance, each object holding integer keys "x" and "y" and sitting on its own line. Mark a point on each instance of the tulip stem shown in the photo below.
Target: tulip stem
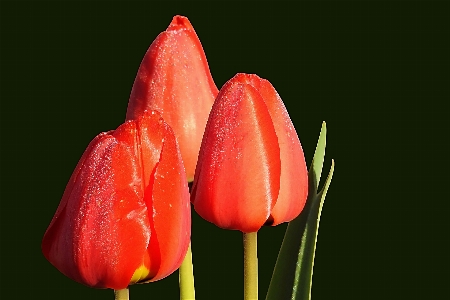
{"x": 250, "y": 266}
{"x": 121, "y": 294}
{"x": 187, "y": 291}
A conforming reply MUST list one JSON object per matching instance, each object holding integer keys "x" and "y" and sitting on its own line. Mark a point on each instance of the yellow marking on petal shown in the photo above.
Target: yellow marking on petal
{"x": 140, "y": 274}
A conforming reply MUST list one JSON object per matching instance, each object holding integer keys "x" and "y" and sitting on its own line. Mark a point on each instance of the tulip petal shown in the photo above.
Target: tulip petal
{"x": 169, "y": 198}
{"x": 125, "y": 213}
{"x": 57, "y": 250}
{"x": 292, "y": 276}
{"x": 238, "y": 175}
{"x": 174, "y": 78}
{"x": 101, "y": 232}
{"x": 53, "y": 229}
{"x": 294, "y": 173}
{"x": 150, "y": 139}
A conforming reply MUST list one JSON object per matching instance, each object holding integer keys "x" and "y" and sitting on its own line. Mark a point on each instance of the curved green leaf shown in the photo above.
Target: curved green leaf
{"x": 315, "y": 170}
{"x": 304, "y": 268}
{"x": 292, "y": 276}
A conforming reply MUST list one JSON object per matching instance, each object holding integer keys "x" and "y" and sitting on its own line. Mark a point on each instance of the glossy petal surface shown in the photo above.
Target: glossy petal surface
{"x": 246, "y": 175}
{"x": 174, "y": 78}
{"x": 104, "y": 226}
{"x": 238, "y": 175}
{"x": 294, "y": 173}
{"x": 171, "y": 209}
{"x": 101, "y": 229}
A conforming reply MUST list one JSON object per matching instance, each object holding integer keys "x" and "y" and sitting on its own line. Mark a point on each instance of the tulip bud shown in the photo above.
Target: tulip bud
{"x": 174, "y": 78}
{"x": 125, "y": 214}
{"x": 251, "y": 169}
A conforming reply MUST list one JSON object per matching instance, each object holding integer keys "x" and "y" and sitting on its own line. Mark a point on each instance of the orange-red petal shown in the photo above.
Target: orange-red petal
{"x": 125, "y": 206}
{"x": 294, "y": 173}
{"x": 174, "y": 78}
{"x": 171, "y": 209}
{"x": 101, "y": 231}
{"x": 238, "y": 174}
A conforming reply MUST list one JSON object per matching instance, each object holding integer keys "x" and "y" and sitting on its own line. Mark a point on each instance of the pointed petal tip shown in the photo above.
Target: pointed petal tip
{"x": 179, "y": 23}
{"x": 245, "y": 77}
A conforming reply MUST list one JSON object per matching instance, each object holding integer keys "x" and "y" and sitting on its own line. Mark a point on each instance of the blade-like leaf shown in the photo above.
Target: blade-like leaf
{"x": 304, "y": 268}
{"x": 292, "y": 276}
{"x": 315, "y": 170}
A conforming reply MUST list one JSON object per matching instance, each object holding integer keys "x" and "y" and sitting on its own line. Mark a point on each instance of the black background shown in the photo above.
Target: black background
{"x": 377, "y": 73}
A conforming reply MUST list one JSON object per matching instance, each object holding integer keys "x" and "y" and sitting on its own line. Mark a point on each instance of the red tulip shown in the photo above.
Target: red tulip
{"x": 174, "y": 78}
{"x": 251, "y": 169}
{"x": 125, "y": 214}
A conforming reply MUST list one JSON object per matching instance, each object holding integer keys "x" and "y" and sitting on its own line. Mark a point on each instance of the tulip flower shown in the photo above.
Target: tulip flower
{"x": 251, "y": 169}
{"x": 174, "y": 78}
{"x": 125, "y": 214}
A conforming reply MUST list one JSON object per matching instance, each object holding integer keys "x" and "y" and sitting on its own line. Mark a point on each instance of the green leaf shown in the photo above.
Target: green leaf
{"x": 292, "y": 276}
{"x": 316, "y": 167}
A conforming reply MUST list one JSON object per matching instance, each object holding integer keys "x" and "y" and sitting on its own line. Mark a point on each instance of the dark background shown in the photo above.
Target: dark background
{"x": 377, "y": 73}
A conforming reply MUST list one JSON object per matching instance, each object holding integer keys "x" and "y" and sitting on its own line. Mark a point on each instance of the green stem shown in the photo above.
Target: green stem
{"x": 250, "y": 266}
{"x": 121, "y": 294}
{"x": 187, "y": 290}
